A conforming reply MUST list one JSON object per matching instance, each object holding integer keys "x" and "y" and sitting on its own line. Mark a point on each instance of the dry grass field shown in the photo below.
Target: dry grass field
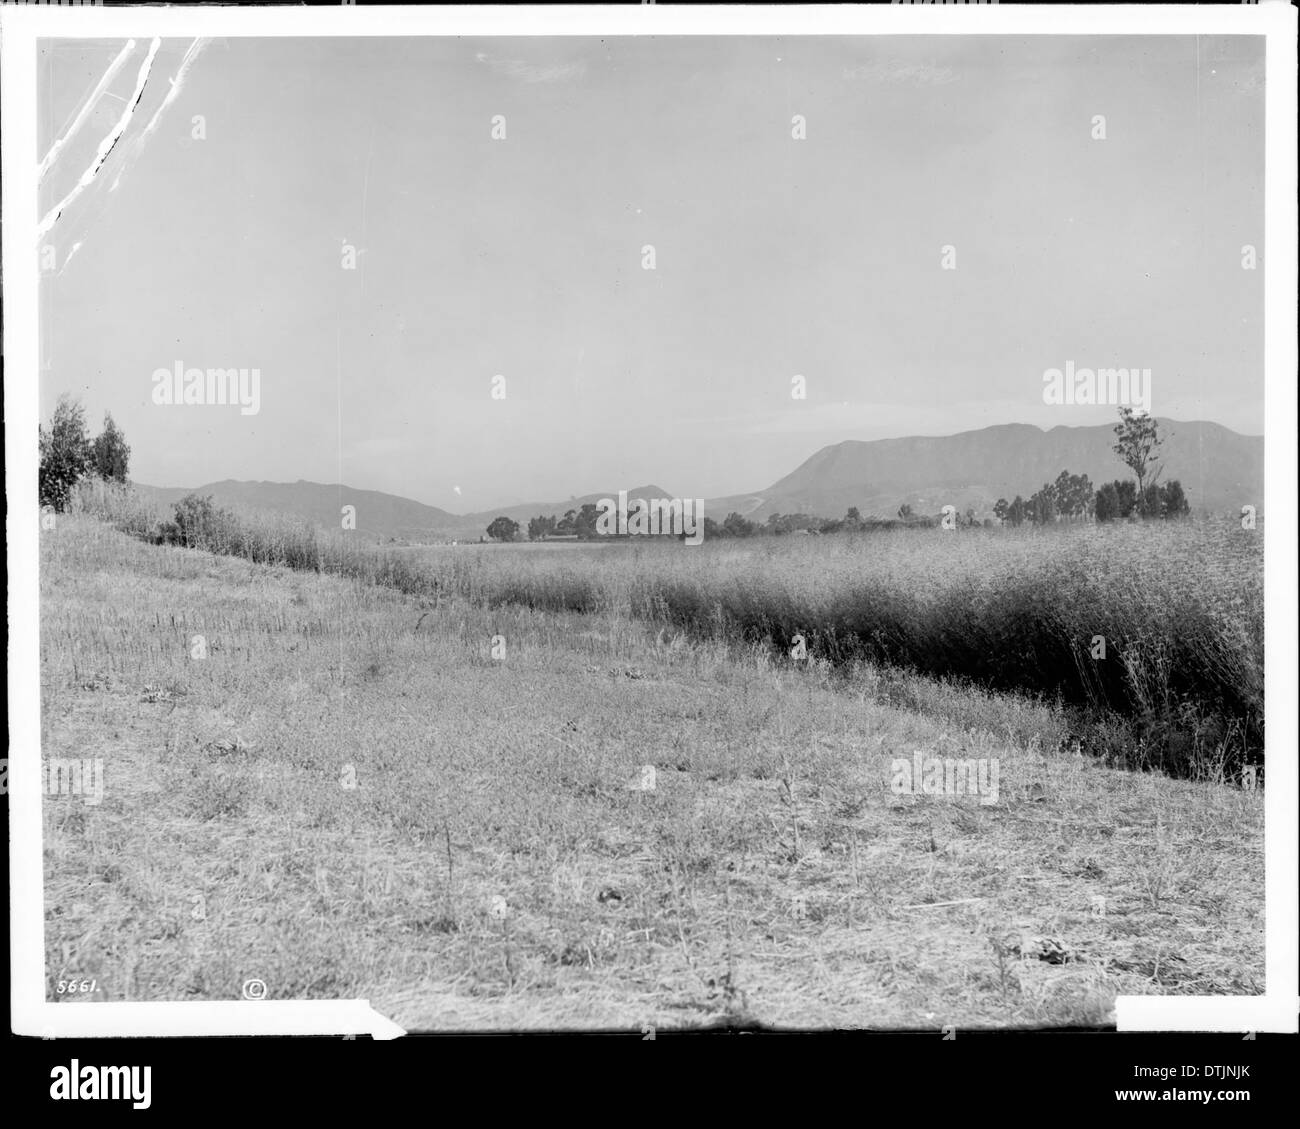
{"x": 1149, "y": 636}
{"x": 422, "y": 798}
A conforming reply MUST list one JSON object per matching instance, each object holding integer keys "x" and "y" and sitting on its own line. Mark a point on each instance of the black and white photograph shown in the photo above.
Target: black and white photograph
{"x": 647, "y": 532}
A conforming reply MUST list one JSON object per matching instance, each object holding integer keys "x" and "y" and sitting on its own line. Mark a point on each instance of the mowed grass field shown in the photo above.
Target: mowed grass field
{"x": 421, "y": 798}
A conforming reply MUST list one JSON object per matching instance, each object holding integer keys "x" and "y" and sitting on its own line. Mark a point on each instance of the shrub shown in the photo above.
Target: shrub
{"x": 199, "y": 523}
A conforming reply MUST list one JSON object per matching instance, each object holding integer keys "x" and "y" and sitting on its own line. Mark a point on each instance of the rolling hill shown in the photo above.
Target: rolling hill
{"x": 1220, "y": 471}
{"x": 378, "y": 515}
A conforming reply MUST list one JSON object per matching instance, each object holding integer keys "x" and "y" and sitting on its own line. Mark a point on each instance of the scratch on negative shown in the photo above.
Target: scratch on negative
{"x": 195, "y": 49}
{"x": 86, "y": 110}
{"x": 105, "y": 147}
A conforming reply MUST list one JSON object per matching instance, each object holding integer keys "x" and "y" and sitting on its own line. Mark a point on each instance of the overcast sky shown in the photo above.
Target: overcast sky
{"x": 523, "y": 256}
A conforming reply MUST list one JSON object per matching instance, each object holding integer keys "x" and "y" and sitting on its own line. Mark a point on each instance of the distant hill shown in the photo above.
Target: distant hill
{"x": 378, "y": 515}
{"x": 1219, "y": 469}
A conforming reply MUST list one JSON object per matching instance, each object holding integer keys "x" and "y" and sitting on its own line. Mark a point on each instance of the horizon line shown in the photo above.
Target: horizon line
{"x": 636, "y": 489}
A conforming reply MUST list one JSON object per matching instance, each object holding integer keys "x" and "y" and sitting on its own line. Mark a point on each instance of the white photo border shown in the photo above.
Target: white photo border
{"x": 20, "y": 30}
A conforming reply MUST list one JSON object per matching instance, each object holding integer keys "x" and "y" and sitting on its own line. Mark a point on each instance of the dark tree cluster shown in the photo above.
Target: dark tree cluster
{"x": 1071, "y": 497}
{"x": 580, "y": 523}
{"x": 68, "y": 454}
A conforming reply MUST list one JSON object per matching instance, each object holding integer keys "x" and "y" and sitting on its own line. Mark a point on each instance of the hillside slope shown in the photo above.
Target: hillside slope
{"x": 1219, "y": 469}
{"x": 378, "y": 515}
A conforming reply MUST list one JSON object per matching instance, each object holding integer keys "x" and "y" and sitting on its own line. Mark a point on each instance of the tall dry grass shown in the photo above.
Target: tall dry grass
{"x": 1152, "y": 633}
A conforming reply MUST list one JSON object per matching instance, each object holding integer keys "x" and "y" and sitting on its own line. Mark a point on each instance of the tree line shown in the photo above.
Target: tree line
{"x": 580, "y": 523}
{"x": 1072, "y": 497}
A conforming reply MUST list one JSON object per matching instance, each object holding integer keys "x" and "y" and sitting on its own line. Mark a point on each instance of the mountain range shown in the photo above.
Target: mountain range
{"x": 1220, "y": 470}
